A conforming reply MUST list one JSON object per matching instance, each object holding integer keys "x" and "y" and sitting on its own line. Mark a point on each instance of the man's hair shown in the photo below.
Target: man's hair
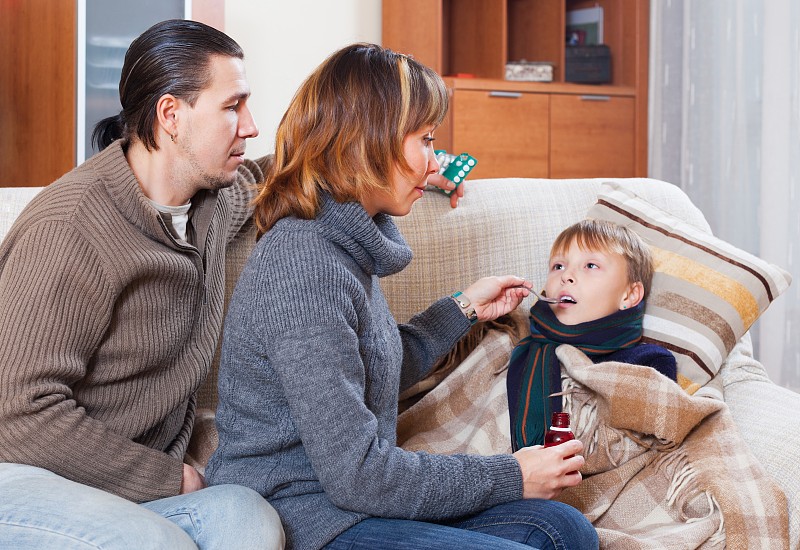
{"x": 343, "y": 131}
{"x": 171, "y": 57}
{"x": 608, "y": 236}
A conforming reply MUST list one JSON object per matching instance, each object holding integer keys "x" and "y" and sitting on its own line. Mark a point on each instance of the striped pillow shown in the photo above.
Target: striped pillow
{"x": 706, "y": 293}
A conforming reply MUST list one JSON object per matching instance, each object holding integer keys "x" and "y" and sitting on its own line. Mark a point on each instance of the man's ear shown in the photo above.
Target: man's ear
{"x": 633, "y": 296}
{"x": 167, "y": 110}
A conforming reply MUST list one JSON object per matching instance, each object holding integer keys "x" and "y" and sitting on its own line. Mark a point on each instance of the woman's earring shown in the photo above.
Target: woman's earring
{"x": 172, "y": 138}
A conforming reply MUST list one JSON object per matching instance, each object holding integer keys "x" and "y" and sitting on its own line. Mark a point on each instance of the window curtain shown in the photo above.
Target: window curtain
{"x": 725, "y": 127}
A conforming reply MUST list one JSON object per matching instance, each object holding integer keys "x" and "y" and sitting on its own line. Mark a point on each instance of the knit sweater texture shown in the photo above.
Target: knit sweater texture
{"x": 108, "y": 326}
{"x": 311, "y": 369}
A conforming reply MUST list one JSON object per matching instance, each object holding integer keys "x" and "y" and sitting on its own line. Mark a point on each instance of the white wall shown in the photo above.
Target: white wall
{"x": 284, "y": 41}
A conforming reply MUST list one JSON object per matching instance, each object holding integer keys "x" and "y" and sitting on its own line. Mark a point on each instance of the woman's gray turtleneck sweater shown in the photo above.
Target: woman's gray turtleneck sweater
{"x": 312, "y": 365}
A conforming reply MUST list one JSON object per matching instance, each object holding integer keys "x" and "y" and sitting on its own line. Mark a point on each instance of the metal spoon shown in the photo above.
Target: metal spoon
{"x": 538, "y": 296}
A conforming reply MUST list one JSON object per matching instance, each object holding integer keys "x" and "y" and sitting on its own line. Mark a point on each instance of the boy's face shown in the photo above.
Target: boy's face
{"x": 595, "y": 281}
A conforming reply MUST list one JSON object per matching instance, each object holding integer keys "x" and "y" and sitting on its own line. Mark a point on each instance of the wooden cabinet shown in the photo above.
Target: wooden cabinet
{"x": 39, "y": 88}
{"x": 37, "y": 91}
{"x": 591, "y": 135}
{"x": 531, "y": 129}
{"x": 486, "y": 123}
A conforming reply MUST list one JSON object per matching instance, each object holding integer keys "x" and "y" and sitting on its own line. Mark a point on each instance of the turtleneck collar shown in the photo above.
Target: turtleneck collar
{"x": 375, "y": 243}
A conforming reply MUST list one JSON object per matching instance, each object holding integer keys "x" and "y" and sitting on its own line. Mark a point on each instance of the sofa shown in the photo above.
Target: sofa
{"x": 506, "y": 226}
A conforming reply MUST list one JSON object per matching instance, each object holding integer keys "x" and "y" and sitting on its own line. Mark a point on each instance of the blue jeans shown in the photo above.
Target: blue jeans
{"x": 543, "y": 524}
{"x": 39, "y": 509}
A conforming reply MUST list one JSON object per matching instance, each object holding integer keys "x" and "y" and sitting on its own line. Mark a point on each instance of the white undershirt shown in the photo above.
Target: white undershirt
{"x": 179, "y": 215}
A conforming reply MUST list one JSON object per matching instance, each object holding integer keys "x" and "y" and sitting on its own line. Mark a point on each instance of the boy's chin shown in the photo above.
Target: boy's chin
{"x": 570, "y": 317}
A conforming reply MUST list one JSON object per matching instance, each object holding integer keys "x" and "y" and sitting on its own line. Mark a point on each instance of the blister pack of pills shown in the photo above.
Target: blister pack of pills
{"x": 456, "y": 168}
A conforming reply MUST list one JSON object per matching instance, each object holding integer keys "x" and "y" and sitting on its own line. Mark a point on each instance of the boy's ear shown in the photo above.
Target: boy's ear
{"x": 634, "y": 295}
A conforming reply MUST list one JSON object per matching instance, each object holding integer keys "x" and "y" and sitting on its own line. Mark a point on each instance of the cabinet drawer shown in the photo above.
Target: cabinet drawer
{"x": 592, "y": 136}
{"x": 507, "y": 132}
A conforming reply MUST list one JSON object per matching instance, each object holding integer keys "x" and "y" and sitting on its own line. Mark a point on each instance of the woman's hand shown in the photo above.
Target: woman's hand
{"x": 495, "y": 296}
{"x": 546, "y": 472}
{"x": 438, "y": 180}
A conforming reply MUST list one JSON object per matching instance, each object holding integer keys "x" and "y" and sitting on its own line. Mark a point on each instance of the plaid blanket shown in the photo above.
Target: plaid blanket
{"x": 664, "y": 469}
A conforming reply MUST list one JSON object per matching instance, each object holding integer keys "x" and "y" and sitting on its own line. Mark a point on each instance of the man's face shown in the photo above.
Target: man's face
{"x": 212, "y": 133}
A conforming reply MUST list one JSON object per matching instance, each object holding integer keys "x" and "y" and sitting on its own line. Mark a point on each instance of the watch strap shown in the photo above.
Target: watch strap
{"x": 466, "y": 306}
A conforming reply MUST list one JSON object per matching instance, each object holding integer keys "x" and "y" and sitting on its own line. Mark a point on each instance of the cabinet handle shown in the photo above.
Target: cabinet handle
{"x": 512, "y": 95}
{"x": 595, "y": 98}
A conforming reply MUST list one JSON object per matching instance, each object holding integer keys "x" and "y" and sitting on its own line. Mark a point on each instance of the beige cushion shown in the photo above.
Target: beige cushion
{"x": 12, "y": 201}
{"x": 706, "y": 292}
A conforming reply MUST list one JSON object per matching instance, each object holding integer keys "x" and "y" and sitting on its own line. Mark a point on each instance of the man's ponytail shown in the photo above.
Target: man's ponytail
{"x": 108, "y": 130}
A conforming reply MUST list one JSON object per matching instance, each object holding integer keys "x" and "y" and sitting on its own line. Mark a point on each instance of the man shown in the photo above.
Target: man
{"x": 111, "y": 303}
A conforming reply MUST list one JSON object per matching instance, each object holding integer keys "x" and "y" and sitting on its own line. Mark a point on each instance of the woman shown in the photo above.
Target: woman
{"x": 313, "y": 361}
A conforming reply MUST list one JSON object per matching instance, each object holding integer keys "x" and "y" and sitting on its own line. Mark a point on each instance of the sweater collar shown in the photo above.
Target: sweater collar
{"x": 124, "y": 190}
{"x": 375, "y": 243}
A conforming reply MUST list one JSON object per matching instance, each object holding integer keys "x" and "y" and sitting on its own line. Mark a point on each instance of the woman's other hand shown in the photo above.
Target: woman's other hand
{"x": 546, "y": 472}
{"x": 438, "y": 180}
{"x": 495, "y": 296}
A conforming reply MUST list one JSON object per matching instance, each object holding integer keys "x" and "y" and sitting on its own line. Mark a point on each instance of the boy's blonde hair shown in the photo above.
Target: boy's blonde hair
{"x": 608, "y": 236}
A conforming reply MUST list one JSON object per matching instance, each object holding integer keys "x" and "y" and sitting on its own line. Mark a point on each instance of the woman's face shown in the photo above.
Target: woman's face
{"x": 407, "y": 187}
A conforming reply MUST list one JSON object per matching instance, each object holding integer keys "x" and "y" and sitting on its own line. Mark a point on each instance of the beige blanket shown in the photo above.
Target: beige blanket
{"x": 664, "y": 469}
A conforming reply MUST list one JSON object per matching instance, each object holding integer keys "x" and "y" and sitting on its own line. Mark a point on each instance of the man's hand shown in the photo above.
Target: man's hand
{"x": 192, "y": 480}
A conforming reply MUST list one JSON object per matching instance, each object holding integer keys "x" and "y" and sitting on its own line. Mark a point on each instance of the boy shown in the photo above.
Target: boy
{"x": 600, "y": 272}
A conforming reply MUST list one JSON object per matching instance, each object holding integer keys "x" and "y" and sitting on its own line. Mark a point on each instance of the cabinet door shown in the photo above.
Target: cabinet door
{"x": 37, "y": 95}
{"x": 592, "y": 136}
{"x": 507, "y": 132}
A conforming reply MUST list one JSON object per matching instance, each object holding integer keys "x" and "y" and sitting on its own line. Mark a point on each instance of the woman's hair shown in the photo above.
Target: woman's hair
{"x": 608, "y": 236}
{"x": 171, "y": 57}
{"x": 343, "y": 131}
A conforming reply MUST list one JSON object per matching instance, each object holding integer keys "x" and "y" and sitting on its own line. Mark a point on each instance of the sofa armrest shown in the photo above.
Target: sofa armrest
{"x": 768, "y": 418}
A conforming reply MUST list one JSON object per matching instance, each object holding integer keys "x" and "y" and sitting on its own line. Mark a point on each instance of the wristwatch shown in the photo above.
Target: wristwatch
{"x": 466, "y": 306}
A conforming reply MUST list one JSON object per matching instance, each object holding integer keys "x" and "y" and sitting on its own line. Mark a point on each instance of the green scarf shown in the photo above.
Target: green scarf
{"x": 534, "y": 372}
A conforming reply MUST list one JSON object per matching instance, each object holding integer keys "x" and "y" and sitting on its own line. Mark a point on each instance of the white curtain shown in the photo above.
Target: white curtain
{"x": 725, "y": 127}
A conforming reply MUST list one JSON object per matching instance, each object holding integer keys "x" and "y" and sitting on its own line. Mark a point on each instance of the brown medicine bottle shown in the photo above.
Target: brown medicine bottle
{"x": 559, "y": 431}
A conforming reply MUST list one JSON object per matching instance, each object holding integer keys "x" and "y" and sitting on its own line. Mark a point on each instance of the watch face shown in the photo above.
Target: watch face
{"x": 462, "y": 300}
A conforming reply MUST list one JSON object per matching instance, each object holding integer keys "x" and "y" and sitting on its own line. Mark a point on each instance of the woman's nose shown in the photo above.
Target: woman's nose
{"x": 433, "y": 164}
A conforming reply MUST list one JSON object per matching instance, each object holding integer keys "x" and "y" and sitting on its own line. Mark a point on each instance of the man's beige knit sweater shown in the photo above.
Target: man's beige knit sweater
{"x": 108, "y": 326}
